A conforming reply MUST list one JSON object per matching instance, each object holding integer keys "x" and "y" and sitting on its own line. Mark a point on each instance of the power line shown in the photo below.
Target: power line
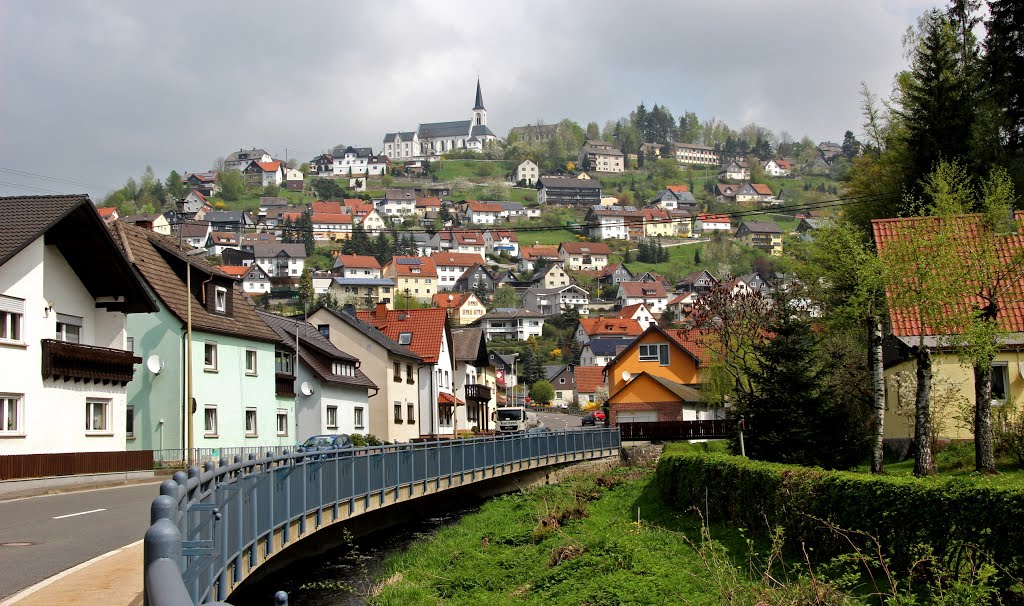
{"x": 31, "y": 188}
{"x": 25, "y": 173}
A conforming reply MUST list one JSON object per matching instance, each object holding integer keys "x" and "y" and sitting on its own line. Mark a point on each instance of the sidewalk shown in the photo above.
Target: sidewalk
{"x": 113, "y": 578}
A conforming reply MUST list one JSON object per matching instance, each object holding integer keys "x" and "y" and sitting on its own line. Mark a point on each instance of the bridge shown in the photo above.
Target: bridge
{"x": 213, "y": 528}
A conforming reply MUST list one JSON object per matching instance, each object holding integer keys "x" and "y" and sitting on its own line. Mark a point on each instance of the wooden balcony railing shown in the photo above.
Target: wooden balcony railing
{"x": 284, "y": 385}
{"x": 677, "y": 430}
{"x": 478, "y": 393}
{"x": 89, "y": 363}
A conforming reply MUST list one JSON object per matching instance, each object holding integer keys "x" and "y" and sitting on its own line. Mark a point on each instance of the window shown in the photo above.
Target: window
{"x": 408, "y": 374}
{"x": 325, "y": 330}
{"x": 250, "y": 423}
{"x": 129, "y": 423}
{"x": 398, "y": 372}
{"x": 11, "y": 413}
{"x": 657, "y": 352}
{"x": 332, "y": 417}
{"x": 12, "y": 312}
{"x": 357, "y": 418}
{"x": 561, "y": 380}
{"x": 97, "y": 416}
{"x": 283, "y": 362}
{"x": 447, "y": 379}
{"x": 343, "y": 369}
{"x": 210, "y": 422}
{"x": 398, "y": 412}
{"x": 69, "y": 328}
{"x": 282, "y": 422}
{"x": 250, "y": 361}
{"x": 210, "y": 357}
{"x": 220, "y": 299}
{"x": 410, "y": 413}
{"x": 130, "y": 344}
{"x": 1000, "y": 382}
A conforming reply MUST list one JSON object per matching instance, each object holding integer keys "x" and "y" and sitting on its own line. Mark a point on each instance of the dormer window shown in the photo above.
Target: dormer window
{"x": 405, "y": 338}
{"x": 343, "y": 369}
{"x": 220, "y": 299}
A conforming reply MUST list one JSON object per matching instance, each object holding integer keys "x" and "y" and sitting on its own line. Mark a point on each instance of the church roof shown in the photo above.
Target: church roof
{"x": 403, "y": 136}
{"x": 458, "y": 128}
{"x": 481, "y": 130}
{"x": 479, "y": 97}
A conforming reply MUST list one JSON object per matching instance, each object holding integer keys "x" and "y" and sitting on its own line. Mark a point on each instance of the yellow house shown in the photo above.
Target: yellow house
{"x": 762, "y": 235}
{"x": 415, "y": 277}
{"x": 659, "y": 222}
{"x": 463, "y": 307}
{"x": 657, "y": 378}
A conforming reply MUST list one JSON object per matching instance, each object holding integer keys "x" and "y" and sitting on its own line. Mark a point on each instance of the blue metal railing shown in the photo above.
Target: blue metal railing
{"x": 207, "y": 526}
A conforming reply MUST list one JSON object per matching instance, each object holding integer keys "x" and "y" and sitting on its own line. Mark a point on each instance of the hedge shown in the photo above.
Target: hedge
{"x": 902, "y": 513}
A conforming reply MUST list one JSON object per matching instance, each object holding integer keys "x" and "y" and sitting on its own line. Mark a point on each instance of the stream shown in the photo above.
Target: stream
{"x": 345, "y": 574}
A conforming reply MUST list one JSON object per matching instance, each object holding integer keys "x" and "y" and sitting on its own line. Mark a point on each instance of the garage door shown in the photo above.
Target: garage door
{"x": 636, "y": 416}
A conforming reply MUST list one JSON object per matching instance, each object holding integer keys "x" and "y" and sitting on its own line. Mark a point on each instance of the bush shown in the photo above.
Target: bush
{"x": 947, "y": 516}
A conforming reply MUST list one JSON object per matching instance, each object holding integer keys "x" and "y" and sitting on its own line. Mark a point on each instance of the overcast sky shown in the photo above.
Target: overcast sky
{"x": 92, "y": 92}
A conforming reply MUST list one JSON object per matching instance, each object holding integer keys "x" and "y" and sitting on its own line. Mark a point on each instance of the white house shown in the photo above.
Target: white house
{"x": 612, "y": 223}
{"x": 511, "y": 323}
{"x": 331, "y": 392}
{"x": 346, "y": 161}
{"x": 451, "y": 265}
{"x": 279, "y": 259}
{"x": 736, "y": 170}
{"x": 527, "y": 172}
{"x": 194, "y": 233}
{"x": 397, "y": 203}
{"x": 588, "y": 256}
{"x": 651, "y": 294}
{"x": 240, "y": 159}
{"x": 705, "y": 223}
{"x": 482, "y": 213}
{"x": 694, "y": 153}
{"x": 638, "y": 312}
{"x": 65, "y": 290}
{"x": 263, "y": 174}
{"x": 778, "y": 168}
{"x": 497, "y": 241}
{"x": 553, "y": 301}
{"x": 356, "y": 266}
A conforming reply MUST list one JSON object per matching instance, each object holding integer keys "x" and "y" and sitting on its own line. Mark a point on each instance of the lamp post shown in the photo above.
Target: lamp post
{"x": 189, "y": 408}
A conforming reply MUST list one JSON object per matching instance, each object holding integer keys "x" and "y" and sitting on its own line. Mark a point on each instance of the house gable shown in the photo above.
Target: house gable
{"x": 682, "y": 364}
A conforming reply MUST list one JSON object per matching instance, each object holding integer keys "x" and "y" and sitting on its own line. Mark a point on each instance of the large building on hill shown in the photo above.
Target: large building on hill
{"x": 432, "y": 139}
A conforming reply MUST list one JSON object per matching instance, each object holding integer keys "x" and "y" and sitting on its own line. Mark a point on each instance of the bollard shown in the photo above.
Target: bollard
{"x": 180, "y": 477}
{"x": 280, "y": 599}
{"x": 164, "y": 507}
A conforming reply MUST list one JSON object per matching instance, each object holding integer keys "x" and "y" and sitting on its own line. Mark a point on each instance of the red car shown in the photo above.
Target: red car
{"x": 599, "y": 415}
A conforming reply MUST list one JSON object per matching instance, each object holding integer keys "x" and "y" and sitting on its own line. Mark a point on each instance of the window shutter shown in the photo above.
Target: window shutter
{"x": 12, "y": 305}
{"x": 71, "y": 320}
{"x": 229, "y": 305}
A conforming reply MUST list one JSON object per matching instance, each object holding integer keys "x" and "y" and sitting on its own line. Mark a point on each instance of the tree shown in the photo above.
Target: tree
{"x": 505, "y": 297}
{"x": 542, "y": 392}
{"x": 851, "y": 146}
{"x": 175, "y": 187}
{"x": 306, "y": 289}
{"x": 792, "y": 416}
{"x": 231, "y": 185}
{"x": 1004, "y": 67}
{"x": 327, "y": 189}
{"x": 593, "y": 131}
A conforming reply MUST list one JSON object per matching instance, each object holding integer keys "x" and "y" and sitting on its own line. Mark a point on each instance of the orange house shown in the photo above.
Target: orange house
{"x": 657, "y": 378}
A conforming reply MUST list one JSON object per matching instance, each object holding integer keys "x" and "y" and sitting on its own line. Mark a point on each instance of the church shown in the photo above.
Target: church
{"x": 432, "y": 139}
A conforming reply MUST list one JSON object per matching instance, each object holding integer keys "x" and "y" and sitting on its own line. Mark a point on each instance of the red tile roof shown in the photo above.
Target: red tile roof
{"x": 106, "y": 212}
{"x": 1011, "y": 304}
{"x": 643, "y": 289}
{"x": 714, "y": 219}
{"x": 783, "y": 164}
{"x": 455, "y": 258}
{"x": 610, "y": 326}
{"x": 578, "y": 248}
{"x": 540, "y": 251}
{"x": 627, "y": 312}
{"x": 447, "y": 398}
{"x": 270, "y": 167}
{"x": 327, "y": 207}
{"x": 446, "y": 300}
{"x": 498, "y": 234}
{"x": 233, "y": 270}
{"x": 762, "y": 189}
{"x": 677, "y": 188}
{"x": 656, "y": 214}
{"x": 199, "y": 194}
{"x": 426, "y": 266}
{"x": 331, "y": 218}
{"x": 694, "y": 341}
{"x": 223, "y": 237}
{"x": 483, "y": 207}
{"x": 588, "y": 378}
{"x": 428, "y": 202}
{"x": 358, "y": 262}
{"x": 425, "y": 325}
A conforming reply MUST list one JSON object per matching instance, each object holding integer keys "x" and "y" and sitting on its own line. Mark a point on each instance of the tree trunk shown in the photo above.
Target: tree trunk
{"x": 923, "y": 464}
{"x": 984, "y": 452}
{"x": 877, "y": 390}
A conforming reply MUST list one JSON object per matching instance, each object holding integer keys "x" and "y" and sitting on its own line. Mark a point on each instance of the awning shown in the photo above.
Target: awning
{"x": 449, "y": 399}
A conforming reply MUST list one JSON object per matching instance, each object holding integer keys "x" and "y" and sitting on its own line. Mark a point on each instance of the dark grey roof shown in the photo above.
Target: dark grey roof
{"x": 481, "y": 130}
{"x": 372, "y": 333}
{"x": 479, "y": 97}
{"x": 501, "y": 313}
{"x": 311, "y": 339}
{"x": 553, "y": 370}
{"x": 458, "y": 128}
{"x": 761, "y": 227}
{"x": 364, "y": 281}
{"x": 406, "y": 136}
{"x": 510, "y": 205}
{"x": 568, "y": 182}
{"x": 608, "y": 346}
{"x": 272, "y": 249}
{"x": 251, "y": 154}
{"x": 225, "y": 216}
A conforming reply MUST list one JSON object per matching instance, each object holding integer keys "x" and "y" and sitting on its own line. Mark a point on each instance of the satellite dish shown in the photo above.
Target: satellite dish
{"x": 154, "y": 364}
{"x": 451, "y": 297}
{"x": 305, "y": 389}
{"x": 625, "y": 375}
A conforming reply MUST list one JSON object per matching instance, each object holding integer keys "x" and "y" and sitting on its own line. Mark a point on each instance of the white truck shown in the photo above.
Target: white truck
{"x": 511, "y": 419}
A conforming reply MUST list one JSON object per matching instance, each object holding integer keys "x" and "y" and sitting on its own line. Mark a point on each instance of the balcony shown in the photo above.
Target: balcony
{"x": 89, "y": 363}
{"x": 284, "y": 384}
{"x": 478, "y": 393}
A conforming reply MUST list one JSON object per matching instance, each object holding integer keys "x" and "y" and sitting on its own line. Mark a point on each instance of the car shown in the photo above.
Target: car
{"x": 563, "y": 405}
{"x": 599, "y": 415}
{"x": 341, "y": 441}
{"x": 541, "y": 429}
{"x": 588, "y": 419}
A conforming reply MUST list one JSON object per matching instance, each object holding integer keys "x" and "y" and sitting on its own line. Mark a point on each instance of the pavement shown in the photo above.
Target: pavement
{"x": 76, "y": 547}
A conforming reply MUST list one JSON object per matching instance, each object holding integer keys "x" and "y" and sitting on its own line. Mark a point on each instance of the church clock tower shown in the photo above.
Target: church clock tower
{"x": 479, "y": 113}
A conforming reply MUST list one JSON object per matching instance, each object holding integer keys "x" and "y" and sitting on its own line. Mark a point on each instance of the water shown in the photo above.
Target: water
{"x": 344, "y": 575}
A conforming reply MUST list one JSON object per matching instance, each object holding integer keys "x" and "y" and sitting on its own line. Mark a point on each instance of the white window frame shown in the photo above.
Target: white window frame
{"x": 251, "y": 370}
{"x": 206, "y": 348}
{"x": 359, "y": 417}
{"x": 129, "y": 415}
{"x": 1001, "y": 367}
{"x": 64, "y": 324}
{"x": 210, "y": 430}
{"x": 18, "y": 428}
{"x": 90, "y": 406}
{"x": 253, "y": 430}
{"x": 220, "y": 299}
{"x": 398, "y": 411}
{"x": 331, "y": 417}
{"x": 282, "y": 413}
{"x": 659, "y": 349}
{"x": 12, "y": 320}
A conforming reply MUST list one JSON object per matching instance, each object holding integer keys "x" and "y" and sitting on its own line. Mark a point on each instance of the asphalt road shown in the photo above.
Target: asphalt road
{"x": 64, "y": 530}
{"x": 558, "y": 421}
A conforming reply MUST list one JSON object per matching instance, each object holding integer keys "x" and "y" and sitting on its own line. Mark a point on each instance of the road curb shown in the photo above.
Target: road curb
{"x": 103, "y": 568}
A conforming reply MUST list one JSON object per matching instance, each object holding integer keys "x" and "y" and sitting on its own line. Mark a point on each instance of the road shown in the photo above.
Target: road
{"x": 64, "y": 530}
{"x": 558, "y": 421}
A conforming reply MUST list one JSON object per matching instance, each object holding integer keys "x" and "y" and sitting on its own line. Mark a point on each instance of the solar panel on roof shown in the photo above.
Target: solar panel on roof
{"x": 409, "y": 261}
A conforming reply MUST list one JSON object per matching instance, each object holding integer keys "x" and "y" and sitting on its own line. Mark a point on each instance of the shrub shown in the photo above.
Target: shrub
{"x": 946, "y": 516}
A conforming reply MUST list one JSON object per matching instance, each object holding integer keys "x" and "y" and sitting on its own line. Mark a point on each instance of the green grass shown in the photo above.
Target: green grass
{"x": 251, "y": 201}
{"x": 472, "y": 169}
{"x": 554, "y": 236}
{"x": 504, "y": 554}
{"x": 679, "y": 264}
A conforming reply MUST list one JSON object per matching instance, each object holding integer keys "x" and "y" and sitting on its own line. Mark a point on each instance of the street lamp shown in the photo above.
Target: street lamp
{"x": 189, "y": 408}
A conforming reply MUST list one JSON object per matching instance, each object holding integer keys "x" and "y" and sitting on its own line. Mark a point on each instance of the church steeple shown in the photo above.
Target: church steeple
{"x": 479, "y": 96}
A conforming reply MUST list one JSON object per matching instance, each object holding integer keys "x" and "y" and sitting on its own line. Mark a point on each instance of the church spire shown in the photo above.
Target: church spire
{"x": 479, "y": 96}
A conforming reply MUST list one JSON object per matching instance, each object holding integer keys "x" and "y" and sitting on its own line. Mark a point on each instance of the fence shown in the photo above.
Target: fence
{"x": 221, "y": 523}
{"x": 171, "y": 457}
{"x": 677, "y": 430}
{"x": 15, "y": 467}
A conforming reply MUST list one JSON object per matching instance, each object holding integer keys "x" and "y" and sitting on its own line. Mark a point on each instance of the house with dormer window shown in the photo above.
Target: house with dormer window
{"x": 414, "y": 277}
{"x": 239, "y": 398}
{"x": 553, "y": 301}
{"x": 497, "y": 241}
{"x": 451, "y": 266}
{"x": 586, "y": 256}
{"x": 279, "y": 259}
{"x": 651, "y": 294}
{"x": 66, "y": 295}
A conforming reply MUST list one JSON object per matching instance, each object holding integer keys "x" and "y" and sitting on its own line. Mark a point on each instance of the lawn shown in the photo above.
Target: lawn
{"x": 474, "y": 170}
{"x": 251, "y": 201}
{"x": 553, "y": 236}
{"x": 680, "y": 263}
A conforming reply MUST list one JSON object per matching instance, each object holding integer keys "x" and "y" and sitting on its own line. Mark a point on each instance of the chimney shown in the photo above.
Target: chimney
{"x": 381, "y": 313}
{"x": 349, "y": 309}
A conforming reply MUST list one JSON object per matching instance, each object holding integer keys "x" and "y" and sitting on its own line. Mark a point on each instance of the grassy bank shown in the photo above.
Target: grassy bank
{"x": 578, "y": 542}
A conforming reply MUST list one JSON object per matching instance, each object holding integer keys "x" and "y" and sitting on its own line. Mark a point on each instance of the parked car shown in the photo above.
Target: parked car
{"x": 541, "y": 429}
{"x": 599, "y": 415}
{"x": 592, "y": 418}
{"x": 341, "y": 441}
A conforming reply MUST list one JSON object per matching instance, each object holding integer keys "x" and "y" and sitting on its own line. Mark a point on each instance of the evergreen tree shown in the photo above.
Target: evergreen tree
{"x": 287, "y": 232}
{"x": 696, "y": 256}
{"x": 305, "y": 289}
{"x": 1004, "y": 67}
{"x": 382, "y": 248}
{"x": 305, "y": 234}
{"x": 359, "y": 243}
